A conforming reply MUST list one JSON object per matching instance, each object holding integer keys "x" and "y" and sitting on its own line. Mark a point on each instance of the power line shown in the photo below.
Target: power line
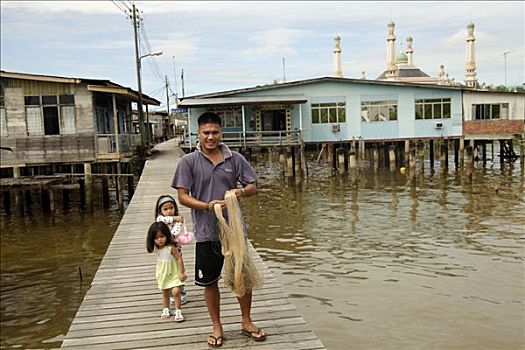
{"x": 121, "y": 7}
{"x": 153, "y": 64}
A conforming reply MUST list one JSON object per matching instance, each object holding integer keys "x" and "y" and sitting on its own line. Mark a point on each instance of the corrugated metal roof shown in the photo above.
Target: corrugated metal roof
{"x": 316, "y": 80}
{"x": 132, "y": 94}
{"x": 245, "y": 100}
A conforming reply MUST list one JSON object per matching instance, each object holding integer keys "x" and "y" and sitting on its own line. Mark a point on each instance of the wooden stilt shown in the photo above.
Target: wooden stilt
{"x": 340, "y": 161}
{"x": 469, "y": 162}
{"x": 392, "y": 158}
{"x": 376, "y": 157}
{"x": 431, "y": 153}
{"x": 88, "y": 185}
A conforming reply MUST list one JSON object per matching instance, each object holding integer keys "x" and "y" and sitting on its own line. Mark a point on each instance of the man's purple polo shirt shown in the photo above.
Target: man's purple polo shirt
{"x": 206, "y": 182}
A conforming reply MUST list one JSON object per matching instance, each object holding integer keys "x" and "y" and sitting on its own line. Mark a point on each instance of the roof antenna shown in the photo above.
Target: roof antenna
{"x": 284, "y": 72}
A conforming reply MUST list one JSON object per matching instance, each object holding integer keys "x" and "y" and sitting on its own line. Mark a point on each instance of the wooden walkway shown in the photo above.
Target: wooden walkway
{"x": 121, "y": 310}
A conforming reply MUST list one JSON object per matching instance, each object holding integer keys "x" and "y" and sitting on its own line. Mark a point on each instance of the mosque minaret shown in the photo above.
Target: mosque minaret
{"x": 338, "y": 67}
{"x": 410, "y": 50}
{"x": 400, "y": 67}
{"x": 390, "y": 51}
{"x": 470, "y": 60}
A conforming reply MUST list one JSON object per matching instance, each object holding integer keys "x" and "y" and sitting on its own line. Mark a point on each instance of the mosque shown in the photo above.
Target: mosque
{"x": 401, "y": 67}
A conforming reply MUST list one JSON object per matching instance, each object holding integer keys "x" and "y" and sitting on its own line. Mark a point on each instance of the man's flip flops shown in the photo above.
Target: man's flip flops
{"x": 217, "y": 341}
{"x": 255, "y": 334}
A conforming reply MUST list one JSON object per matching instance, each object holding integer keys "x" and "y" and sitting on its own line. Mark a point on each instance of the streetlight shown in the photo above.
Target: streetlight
{"x": 139, "y": 83}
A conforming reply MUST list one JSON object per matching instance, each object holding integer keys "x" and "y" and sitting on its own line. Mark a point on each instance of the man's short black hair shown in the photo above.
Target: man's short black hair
{"x": 209, "y": 117}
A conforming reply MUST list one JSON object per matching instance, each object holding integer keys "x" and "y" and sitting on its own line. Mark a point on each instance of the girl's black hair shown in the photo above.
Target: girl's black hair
{"x": 157, "y": 207}
{"x": 155, "y": 228}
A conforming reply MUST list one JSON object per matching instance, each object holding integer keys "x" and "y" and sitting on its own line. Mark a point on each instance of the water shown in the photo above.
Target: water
{"x": 42, "y": 258}
{"x": 385, "y": 266}
{"x": 393, "y": 266}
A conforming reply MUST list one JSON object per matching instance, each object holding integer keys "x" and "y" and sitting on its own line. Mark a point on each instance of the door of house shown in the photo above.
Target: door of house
{"x": 273, "y": 120}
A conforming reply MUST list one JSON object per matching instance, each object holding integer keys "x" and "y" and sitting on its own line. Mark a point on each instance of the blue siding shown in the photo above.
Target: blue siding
{"x": 406, "y": 126}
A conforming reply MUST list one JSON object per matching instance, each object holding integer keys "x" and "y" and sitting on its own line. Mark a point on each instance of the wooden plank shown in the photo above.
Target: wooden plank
{"x": 121, "y": 309}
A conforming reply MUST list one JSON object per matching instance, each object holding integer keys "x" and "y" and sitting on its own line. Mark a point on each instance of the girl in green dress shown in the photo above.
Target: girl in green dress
{"x": 170, "y": 272}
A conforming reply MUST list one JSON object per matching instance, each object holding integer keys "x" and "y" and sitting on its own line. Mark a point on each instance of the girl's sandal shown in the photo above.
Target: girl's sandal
{"x": 165, "y": 314}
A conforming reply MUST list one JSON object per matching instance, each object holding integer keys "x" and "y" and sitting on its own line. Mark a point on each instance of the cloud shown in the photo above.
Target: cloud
{"x": 223, "y": 44}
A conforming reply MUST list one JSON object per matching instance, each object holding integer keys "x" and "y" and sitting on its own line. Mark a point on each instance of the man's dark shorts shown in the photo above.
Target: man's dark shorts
{"x": 208, "y": 263}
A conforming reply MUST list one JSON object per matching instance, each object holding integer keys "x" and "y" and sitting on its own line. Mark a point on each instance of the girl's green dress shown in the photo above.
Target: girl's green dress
{"x": 167, "y": 272}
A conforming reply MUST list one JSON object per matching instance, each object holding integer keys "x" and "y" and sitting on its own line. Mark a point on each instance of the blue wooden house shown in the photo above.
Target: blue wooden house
{"x": 331, "y": 110}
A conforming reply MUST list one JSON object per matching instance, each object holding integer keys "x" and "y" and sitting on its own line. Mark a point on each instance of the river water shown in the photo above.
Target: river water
{"x": 384, "y": 265}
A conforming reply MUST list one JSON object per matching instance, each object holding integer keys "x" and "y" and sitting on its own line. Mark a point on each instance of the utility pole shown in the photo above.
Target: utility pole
{"x": 167, "y": 127}
{"x": 175, "y": 83}
{"x": 139, "y": 84}
{"x": 167, "y": 96}
{"x": 182, "y": 81}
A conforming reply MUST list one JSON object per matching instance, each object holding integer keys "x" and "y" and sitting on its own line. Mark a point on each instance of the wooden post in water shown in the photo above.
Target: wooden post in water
{"x": 131, "y": 188}
{"x": 443, "y": 156}
{"x": 375, "y": 153}
{"x": 51, "y": 197}
{"x": 282, "y": 160}
{"x": 522, "y": 154}
{"x": 352, "y": 163}
{"x": 431, "y": 153}
{"x": 105, "y": 188}
{"x": 456, "y": 153}
{"x": 461, "y": 151}
{"x": 44, "y": 194}
{"x": 412, "y": 163}
{"x": 502, "y": 152}
{"x": 421, "y": 153}
{"x": 469, "y": 162}
{"x": 340, "y": 161}
{"x": 407, "y": 151}
{"x": 294, "y": 161}
{"x": 120, "y": 186}
{"x": 65, "y": 198}
{"x": 330, "y": 155}
{"x": 7, "y": 201}
{"x": 289, "y": 163}
{"x": 392, "y": 158}
{"x": 88, "y": 185}
{"x": 19, "y": 202}
{"x": 362, "y": 149}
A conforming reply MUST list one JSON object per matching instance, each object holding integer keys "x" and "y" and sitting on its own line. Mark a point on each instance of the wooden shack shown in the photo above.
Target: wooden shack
{"x": 51, "y": 120}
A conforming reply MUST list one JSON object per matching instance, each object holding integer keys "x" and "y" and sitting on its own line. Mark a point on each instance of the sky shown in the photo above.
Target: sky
{"x": 239, "y": 44}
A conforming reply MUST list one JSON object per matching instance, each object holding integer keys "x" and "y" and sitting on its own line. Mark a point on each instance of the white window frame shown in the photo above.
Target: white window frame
{"x": 328, "y": 112}
{"x": 66, "y": 117}
{"x": 488, "y": 110}
{"x": 231, "y": 116}
{"x": 430, "y": 106}
{"x": 378, "y": 111}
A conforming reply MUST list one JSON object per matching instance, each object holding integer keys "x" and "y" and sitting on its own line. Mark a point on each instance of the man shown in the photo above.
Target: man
{"x": 201, "y": 179}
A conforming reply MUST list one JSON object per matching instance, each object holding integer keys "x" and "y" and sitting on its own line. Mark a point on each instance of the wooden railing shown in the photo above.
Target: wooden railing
{"x": 255, "y": 138}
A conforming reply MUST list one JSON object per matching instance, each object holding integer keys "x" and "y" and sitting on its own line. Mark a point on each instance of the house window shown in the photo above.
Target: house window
{"x": 378, "y": 111}
{"x": 50, "y": 114}
{"x": 324, "y": 113}
{"x": 3, "y": 118}
{"x": 436, "y": 108}
{"x": 490, "y": 111}
{"x": 231, "y": 117}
